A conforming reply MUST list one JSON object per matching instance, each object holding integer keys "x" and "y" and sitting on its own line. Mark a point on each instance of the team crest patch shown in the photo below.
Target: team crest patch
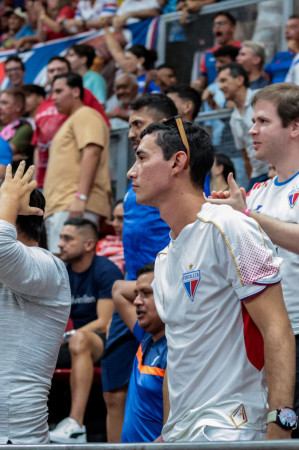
{"x": 293, "y": 197}
{"x": 239, "y": 417}
{"x": 191, "y": 281}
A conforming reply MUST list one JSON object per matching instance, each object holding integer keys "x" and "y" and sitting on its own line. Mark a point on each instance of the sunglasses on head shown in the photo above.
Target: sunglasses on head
{"x": 176, "y": 120}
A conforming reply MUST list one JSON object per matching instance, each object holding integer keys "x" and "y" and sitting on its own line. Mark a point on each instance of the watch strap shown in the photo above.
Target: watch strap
{"x": 272, "y": 416}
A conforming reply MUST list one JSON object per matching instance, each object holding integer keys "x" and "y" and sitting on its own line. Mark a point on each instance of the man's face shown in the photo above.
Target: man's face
{"x": 15, "y": 23}
{"x": 125, "y": 89}
{"x": 138, "y": 121}
{"x": 56, "y": 67}
{"x": 118, "y": 220}
{"x": 228, "y": 84}
{"x": 32, "y": 102}
{"x": 75, "y": 60}
{"x": 223, "y": 30}
{"x": 63, "y": 96}
{"x": 150, "y": 174}
{"x": 268, "y": 135}
{"x": 180, "y": 103}
{"x": 72, "y": 244}
{"x": 15, "y": 73}
{"x": 246, "y": 58}
{"x": 292, "y": 30}
{"x": 222, "y": 61}
{"x": 9, "y": 109}
{"x": 166, "y": 77}
{"x": 145, "y": 305}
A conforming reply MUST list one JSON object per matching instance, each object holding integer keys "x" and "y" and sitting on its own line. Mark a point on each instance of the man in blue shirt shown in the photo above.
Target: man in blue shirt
{"x": 91, "y": 279}
{"x": 135, "y": 304}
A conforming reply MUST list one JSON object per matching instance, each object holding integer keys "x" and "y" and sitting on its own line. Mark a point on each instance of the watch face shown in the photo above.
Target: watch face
{"x": 287, "y": 418}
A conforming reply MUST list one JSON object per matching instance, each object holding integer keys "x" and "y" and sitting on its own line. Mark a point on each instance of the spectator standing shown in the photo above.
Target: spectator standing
{"x": 51, "y": 20}
{"x": 274, "y": 204}
{"x": 15, "y": 70}
{"x": 224, "y": 26}
{"x": 17, "y": 28}
{"x": 80, "y": 57}
{"x": 91, "y": 280}
{"x": 35, "y": 302}
{"x": 206, "y": 264}
{"x": 252, "y": 58}
{"x": 77, "y": 182}
{"x": 118, "y": 106}
{"x": 132, "y": 11}
{"x": 92, "y": 14}
{"x": 233, "y": 81}
{"x": 144, "y": 406}
{"x": 278, "y": 68}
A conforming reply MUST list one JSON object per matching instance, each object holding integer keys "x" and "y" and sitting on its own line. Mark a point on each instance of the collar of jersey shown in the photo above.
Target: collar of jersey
{"x": 277, "y": 183}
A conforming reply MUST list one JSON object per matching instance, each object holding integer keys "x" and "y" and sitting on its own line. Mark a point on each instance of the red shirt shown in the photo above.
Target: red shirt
{"x": 48, "y": 121}
{"x": 67, "y": 12}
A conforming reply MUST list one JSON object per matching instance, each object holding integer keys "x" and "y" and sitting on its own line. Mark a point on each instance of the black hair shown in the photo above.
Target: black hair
{"x": 73, "y": 80}
{"x": 186, "y": 92}
{"x": 118, "y": 202}
{"x": 15, "y": 58}
{"x": 226, "y": 162}
{"x": 166, "y": 66}
{"x": 294, "y": 16}
{"x": 150, "y": 56}
{"x": 34, "y": 89}
{"x": 227, "y": 50}
{"x": 147, "y": 268}
{"x": 61, "y": 59}
{"x": 79, "y": 222}
{"x": 160, "y": 106}
{"x": 170, "y": 141}
{"x": 84, "y": 50}
{"x": 228, "y": 15}
{"x": 237, "y": 70}
{"x": 31, "y": 226}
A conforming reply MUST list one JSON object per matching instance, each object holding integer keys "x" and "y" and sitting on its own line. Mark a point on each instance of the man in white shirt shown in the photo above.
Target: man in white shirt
{"x": 35, "y": 302}
{"x": 217, "y": 288}
{"x": 274, "y": 204}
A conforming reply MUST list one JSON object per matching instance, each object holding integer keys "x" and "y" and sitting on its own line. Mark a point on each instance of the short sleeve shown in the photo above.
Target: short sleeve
{"x": 108, "y": 274}
{"x": 89, "y": 128}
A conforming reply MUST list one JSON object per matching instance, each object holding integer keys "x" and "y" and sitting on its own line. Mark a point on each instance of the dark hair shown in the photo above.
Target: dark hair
{"x": 84, "y": 50}
{"x": 147, "y": 268}
{"x": 170, "y": 141}
{"x": 18, "y": 94}
{"x": 61, "y": 59}
{"x": 34, "y": 89}
{"x": 73, "y": 80}
{"x": 159, "y": 105}
{"x": 79, "y": 222}
{"x": 228, "y": 15}
{"x": 236, "y": 70}
{"x": 294, "y": 16}
{"x": 186, "y": 92}
{"x": 166, "y": 66}
{"x": 32, "y": 226}
{"x": 150, "y": 56}
{"x": 15, "y": 58}
{"x": 226, "y": 162}
{"x": 227, "y": 50}
{"x": 285, "y": 96}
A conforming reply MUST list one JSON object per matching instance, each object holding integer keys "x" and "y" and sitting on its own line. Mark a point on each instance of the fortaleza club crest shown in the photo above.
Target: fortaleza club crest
{"x": 191, "y": 281}
{"x": 293, "y": 197}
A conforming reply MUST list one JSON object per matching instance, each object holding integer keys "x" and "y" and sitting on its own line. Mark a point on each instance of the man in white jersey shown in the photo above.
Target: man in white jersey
{"x": 274, "y": 204}
{"x": 217, "y": 288}
{"x": 35, "y": 302}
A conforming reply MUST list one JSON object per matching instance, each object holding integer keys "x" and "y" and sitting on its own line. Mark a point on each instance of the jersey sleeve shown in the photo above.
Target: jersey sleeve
{"x": 247, "y": 257}
{"x": 106, "y": 278}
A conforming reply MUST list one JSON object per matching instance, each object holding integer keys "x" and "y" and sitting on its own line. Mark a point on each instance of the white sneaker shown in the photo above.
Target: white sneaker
{"x": 68, "y": 431}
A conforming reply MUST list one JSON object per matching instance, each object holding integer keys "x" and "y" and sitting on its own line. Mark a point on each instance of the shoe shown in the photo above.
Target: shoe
{"x": 68, "y": 431}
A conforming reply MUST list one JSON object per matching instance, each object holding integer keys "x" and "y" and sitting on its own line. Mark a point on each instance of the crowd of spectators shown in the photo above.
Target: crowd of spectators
{"x": 63, "y": 128}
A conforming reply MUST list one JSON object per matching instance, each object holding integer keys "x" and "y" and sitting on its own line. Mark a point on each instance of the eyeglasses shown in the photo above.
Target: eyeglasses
{"x": 178, "y": 121}
{"x": 13, "y": 69}
{"x": 220, "y": 22}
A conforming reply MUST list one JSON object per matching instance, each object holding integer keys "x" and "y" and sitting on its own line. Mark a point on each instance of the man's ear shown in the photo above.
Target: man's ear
{"x": 295, "y": 128}
{"x": 90, "y": 244}
{"x": 179, "y": 161}
{"x": 76, "y": 92}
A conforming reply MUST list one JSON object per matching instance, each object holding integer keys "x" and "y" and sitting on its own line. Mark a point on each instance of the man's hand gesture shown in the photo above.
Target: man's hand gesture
{"x": 235, "y": 197}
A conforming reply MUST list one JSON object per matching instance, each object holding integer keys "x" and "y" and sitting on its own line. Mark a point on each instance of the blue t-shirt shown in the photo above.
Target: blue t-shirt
{"x": 5, "y": 152}
{"x": 143, "y": 420}
{"x": 152, "y": 87}
{"x": 90, "y": 286}
{"x": 278, "y": 68}
{"x": 260, "y": 83}
{"x": 145, "y": 234}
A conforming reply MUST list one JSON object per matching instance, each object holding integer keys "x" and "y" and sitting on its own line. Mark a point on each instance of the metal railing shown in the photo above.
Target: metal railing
{"x": 257, "y": 445}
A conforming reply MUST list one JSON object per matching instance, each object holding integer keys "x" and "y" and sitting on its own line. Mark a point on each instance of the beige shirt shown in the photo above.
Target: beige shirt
{"x": 85, "y": 126}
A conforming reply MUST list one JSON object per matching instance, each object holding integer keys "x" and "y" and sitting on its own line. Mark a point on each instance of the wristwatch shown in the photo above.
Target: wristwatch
{"x": 284, "y": 417}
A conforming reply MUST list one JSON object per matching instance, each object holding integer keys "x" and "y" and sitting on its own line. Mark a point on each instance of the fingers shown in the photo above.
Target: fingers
{"x": 8, "y": 173}
{"x": 20, "y": 170}
{"x": 231, "y": 182}
{"x": 32, "y": 211}
{"x": 32, "y": 185}
{"x": 243, "y": 192}
{"x": 28, "y": 174}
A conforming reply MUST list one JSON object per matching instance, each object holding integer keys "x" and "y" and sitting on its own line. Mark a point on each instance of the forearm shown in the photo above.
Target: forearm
{"x": 114, "y": 47}
{"x": 99, "y": 325}
{"x": 55, "y": 26}
{"x": 123, "y": 295}
{"x": 281, "y": 233}
{"x": 152, "y": 12}
{"x": 88, "y": 168}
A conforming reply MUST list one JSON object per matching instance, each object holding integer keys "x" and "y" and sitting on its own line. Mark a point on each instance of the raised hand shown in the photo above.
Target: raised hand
{"x": 235, "y": 197}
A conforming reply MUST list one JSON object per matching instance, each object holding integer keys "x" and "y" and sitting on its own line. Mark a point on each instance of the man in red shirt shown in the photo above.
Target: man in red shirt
{"x": 48, "y": 120}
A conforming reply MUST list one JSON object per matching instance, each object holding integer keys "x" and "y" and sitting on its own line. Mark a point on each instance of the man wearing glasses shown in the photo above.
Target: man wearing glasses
{"x": 217, "y": 289}
{"x": 15, "y": 70}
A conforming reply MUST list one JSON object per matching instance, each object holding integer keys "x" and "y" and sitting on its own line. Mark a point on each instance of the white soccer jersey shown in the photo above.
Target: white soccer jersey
{"x": 281, "y": 201}
{"x": 215, "y": 352}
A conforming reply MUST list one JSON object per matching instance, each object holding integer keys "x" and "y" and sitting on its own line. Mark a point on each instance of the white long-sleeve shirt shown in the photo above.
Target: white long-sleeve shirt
{"x": 34, "y": 308}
